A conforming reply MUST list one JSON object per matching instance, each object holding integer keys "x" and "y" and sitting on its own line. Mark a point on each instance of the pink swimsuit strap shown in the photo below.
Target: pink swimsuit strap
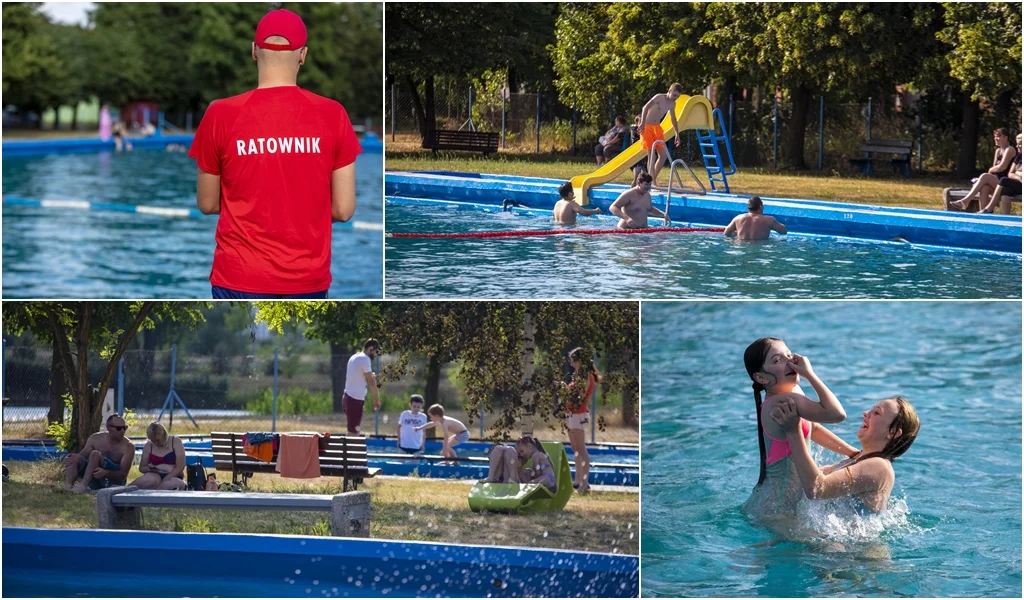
{"x": 780, "y": 449}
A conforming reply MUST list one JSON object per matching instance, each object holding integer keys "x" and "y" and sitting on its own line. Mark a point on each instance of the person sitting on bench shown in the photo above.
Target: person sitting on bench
{"x": 1008, "y": 186}
{"x": 987, "y": 182}
{"x": 610, "y": 143}
{"x": 104, "y": 462}
{"x": 163, "y": 461}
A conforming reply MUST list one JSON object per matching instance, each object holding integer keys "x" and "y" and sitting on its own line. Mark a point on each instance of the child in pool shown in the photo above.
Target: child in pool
{"x": 776, "y": 371}
{"x": 453, "y": 432}
{"x": 507, "y": 464}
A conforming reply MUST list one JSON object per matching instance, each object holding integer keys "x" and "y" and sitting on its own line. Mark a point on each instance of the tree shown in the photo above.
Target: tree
{"x": 344, "y": 325}
{"x": 81, "y": 330}
{"x": 985, "y": 66}
{"x": 31, "y": 58}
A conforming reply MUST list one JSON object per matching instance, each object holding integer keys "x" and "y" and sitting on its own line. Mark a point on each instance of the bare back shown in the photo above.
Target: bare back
{"x": 565, "y": 212}
{"x": 753, "y": 226}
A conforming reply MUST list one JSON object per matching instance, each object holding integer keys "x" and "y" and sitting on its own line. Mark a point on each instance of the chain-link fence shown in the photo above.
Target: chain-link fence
{"x": 268, "y": 389}
{"x": 760, "y": 132}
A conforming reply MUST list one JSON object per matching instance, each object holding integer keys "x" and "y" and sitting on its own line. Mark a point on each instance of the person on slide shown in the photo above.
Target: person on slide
{"x": 776, "y": 371}
{"x": 888, "y": 430}
{"x": 650, "y": 120}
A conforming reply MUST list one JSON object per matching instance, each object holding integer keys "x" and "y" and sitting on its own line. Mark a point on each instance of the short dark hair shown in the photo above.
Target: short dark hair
{"x": 619, "y": 119}
{"x": 565, "y": 189}
{"x": 644, "y": 178}
{"x": 755, "y": 204}
{"x": 371, "y": 342}
{"x": 675, "y": 87}
{"x": 436, "y": 410}
{"x": 416, "y": 398}
{"x": 113, "y": 416}
{"x": 1002, "y": 131}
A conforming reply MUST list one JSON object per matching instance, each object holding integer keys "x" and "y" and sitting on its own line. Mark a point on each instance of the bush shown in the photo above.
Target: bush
{"x": 299, "y": 401}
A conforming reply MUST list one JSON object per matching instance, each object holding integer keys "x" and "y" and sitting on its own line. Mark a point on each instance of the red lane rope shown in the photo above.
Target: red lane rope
{"x": 542, "y": 232}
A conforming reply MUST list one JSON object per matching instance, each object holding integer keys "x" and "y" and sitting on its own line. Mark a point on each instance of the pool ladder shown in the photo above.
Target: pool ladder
{"x": 674, "y": 175}
{"x": 710, "y": 151}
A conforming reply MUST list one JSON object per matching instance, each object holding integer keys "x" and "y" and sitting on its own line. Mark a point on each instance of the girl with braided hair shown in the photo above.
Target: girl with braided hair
{"x": 888, "y": 430}
{"x": 775, "y": 371}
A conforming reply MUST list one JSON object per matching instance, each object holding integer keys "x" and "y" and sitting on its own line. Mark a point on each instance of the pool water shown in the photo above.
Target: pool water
{"x": 682, "y": 265}
{"x": 953, "y": 527}
{"x": 62, "y": 253}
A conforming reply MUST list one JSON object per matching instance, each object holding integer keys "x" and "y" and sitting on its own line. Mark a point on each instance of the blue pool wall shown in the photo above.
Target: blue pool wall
{"x": 258, "y": 561}
{"x": 627, "y": 475}
{"x": 370, "y": 143}
{"x": 1001, "y": 233}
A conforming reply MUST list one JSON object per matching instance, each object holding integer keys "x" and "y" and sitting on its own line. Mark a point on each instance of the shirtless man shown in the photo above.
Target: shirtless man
{"x": 566, "y": 209}
{"x": 650, "y": 122}
{"x": 633, "y": 206}
{"x": 104, "y": 462}
{"x": 754, "y": 225}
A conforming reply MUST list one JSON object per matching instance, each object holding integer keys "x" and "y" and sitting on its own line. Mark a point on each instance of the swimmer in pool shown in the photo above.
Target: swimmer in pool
{"x": 776, "y": 371}
{"x": 633, "y": 206}
{"x": 567, "y": 208}
{"x": 888, "y": 430}
{"x": 754, "y": 224}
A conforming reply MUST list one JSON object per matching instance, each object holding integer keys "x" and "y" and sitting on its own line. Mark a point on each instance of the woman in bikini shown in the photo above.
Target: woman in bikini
{"x": 507, "y": 464}
{"x": 888, "y": 430}
{"x": 163, "y": 461}
{"x": 776, "y": 371}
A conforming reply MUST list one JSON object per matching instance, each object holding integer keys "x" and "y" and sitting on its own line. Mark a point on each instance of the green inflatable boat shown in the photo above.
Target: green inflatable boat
{"x": 527, "y": 497}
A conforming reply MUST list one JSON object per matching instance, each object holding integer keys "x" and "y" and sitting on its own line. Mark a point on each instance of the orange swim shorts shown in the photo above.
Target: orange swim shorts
{"x": 651, "y": 134}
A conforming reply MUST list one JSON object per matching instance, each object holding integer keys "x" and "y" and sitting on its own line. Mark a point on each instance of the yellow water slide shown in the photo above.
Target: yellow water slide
{"x": 692, "y": 112}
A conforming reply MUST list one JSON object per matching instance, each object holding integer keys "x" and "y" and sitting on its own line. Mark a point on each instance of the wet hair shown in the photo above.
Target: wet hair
{"x": 371, "y": 342}
{"x": 907, "y": 424}
{"x": 644, "y": 178}
{"x": 675, "y": 87}
{"x": 586, "y": 365}
{"x": 755, "y": 204}
{"x": 753, "y": 359}
{"x": 565, "y": 189}
{"x": 415, "y": 398}
{"x": 436, "y": 410}
{"x": 1002, "y": 131}
{"x": 155, "y": 430}
{"x": 531, "y": 441}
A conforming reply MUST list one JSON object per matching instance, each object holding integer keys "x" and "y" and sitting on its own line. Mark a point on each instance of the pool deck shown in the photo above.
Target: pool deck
{"x": 370, "y": 143}
{"x": 948, "y": 230}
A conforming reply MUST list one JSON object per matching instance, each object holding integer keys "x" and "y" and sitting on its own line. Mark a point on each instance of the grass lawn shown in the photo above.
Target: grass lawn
{"x": 406, "y": 508}
{"x": 916, "y": 192}
{"x": 42, "y": 134}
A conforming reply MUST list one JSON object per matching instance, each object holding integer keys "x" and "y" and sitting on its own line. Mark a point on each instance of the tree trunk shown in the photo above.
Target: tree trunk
{"x": 430, "y": 113}
{"x": 629, "y": 411}
{"x": 433, "y": 381}
{"x": 417, "y": 105}
{"x": 529, "y": 349}
{"x": 512, "y": 79}
{"x": 801, "y": 97}
{"x": 56, "y": 118}
{"x": 339, "y": 373}
{"x": 58, "y": 387}
{"x": 966, "y": 161}
{"x": 1004, "y": 102}
{"x": 74, "y": 118}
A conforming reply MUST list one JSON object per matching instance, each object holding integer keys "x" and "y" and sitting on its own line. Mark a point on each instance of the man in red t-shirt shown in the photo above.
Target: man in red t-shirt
{"x": 278, "y": 165}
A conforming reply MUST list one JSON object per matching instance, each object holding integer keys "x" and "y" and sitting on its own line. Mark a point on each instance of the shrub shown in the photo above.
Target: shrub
{"x": 295, "y": 402}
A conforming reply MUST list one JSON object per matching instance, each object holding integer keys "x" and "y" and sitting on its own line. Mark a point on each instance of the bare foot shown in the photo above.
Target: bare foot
{"x": 80, "y": 489}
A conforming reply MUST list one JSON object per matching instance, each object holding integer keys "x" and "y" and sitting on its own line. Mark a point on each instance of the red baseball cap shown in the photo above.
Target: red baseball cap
{"x": 284, "y": 23}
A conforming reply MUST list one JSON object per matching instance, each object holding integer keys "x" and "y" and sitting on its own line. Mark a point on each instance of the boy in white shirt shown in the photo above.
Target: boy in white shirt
{"x": 453, "y": 432}
{"x": 410, "y": 439}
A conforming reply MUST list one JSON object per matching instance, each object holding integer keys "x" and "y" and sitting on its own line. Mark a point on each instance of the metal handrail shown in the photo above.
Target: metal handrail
{"x": 672, "y": 173}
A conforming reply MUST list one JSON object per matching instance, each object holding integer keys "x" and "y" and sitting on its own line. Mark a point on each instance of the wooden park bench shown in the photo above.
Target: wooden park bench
{"x": 121, "y": 507}
{"x": 341, "y": 456}
{"x": 950, "y": 195}
{"x": 470, "y": 141}
{"x": 901, "y": 148}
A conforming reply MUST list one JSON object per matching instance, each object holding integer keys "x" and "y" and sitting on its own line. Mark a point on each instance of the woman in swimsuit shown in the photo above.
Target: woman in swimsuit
{"x": 989, "y": 180}
{"x": 507, "y": 464}
{"x": 776, "y": 371}
{"x": 163, "y": 461}
{"x": 888, "y": 430}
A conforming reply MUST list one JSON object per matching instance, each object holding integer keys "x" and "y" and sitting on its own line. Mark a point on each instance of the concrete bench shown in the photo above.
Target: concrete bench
{"x": 121, "y": 507}
{"x": 950, "y": 195}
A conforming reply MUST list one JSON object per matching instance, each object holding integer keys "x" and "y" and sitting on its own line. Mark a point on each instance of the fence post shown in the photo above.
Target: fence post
{"x": 611, "y": 108}
{"x": 732, "y": 114}
{"x": 775, "y": 132}
{"x": 503, "y": 117}
{"x": 472, "y": 127}
{"x": 120, "y": 386}
{"x": 574, "y": 123}
{"x": 174, "y": 370}
{"x": 392, "y": 112}
{"x": 376, "y": 413}
{"x": 159, "y": 123}
{"x": 821, "y": 133}
{"x": 538, "y": 121}
{"x": 869, "y": 119}
{"x": 482, "y": 424}
{"x": 273, "y": 407}
{"x": 188, "y": 122}
{"x": 920, "y": 145}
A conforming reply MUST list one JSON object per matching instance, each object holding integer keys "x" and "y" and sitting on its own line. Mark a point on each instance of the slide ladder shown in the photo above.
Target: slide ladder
{"x": 710, "y": 151}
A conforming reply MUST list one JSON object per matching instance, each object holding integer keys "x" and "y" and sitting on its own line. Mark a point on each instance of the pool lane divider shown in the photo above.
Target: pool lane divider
{"x": 545, "y": 232}
{"x": 920, "y": 227}
{"x": 159, "y": 211}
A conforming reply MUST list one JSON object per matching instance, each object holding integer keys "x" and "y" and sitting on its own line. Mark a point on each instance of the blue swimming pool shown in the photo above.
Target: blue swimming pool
{"x": 36, "y": 564}
{"x": 838, "y": 251}
{"x": 58, "y": 252}
{"x": 953, "y": 527}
